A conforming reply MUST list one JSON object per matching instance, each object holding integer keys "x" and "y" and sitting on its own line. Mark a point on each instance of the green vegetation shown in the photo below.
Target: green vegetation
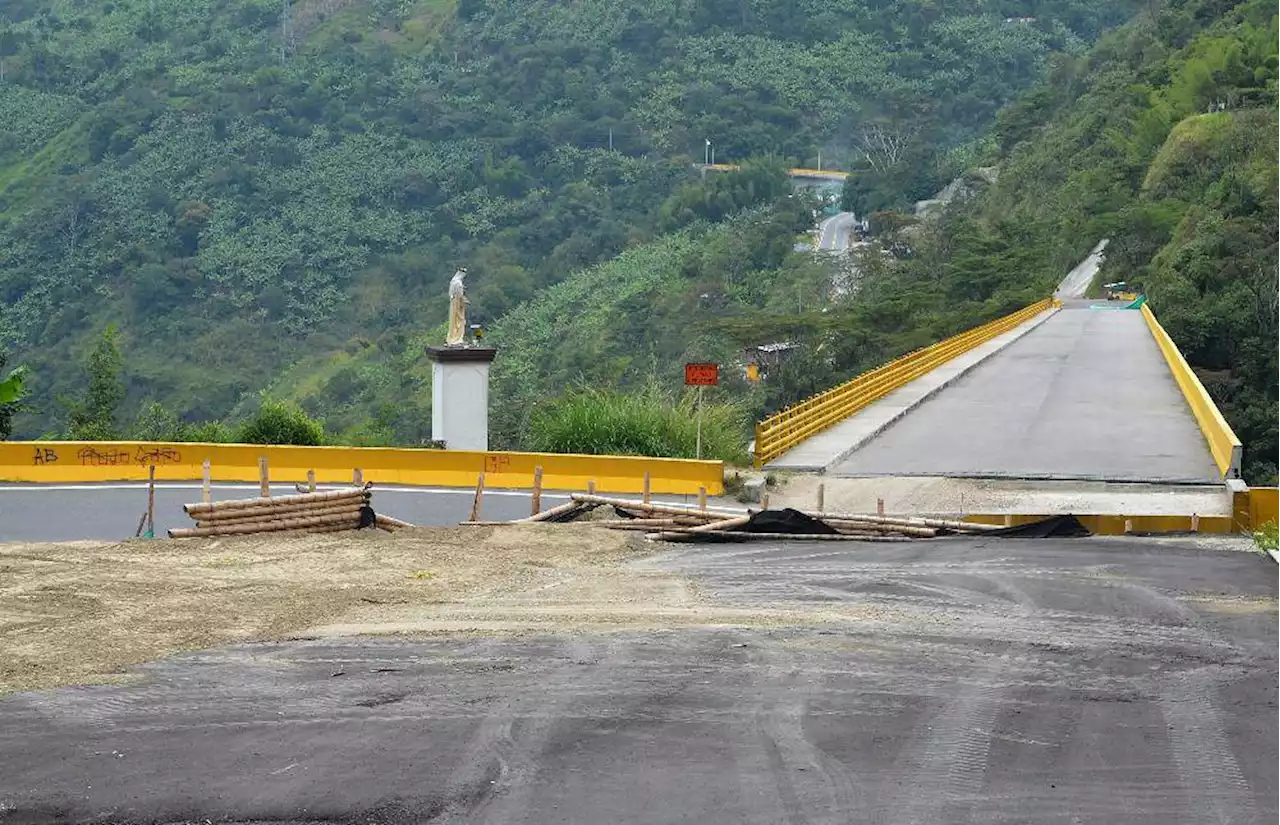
{"x": 1268, "y": 538}
{"x": 267, "y": 203}
{"x": 279, "y": 422}
{"x": 649, "y": 421}
{"x": 94, "y": 416}
{"x": 13, "y": 388}
{"x": 1163, "y": 139}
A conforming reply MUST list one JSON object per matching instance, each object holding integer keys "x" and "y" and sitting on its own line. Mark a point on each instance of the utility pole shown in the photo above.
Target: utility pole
{"x": 286, "y": 30}
{"x": 819, "y": 160}
{"x": 706, "y": 153}
{"x": 610, "y": 138}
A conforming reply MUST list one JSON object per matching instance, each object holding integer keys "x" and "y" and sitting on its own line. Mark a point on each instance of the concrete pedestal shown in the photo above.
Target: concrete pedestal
{"x": 460, "y": 396}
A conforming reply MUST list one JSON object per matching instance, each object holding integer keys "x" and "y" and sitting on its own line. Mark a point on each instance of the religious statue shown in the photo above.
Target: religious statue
{"x": 457, "y": 309}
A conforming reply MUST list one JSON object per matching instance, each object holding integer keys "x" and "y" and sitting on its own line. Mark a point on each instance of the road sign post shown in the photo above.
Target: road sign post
{"x": 701, "y": 375}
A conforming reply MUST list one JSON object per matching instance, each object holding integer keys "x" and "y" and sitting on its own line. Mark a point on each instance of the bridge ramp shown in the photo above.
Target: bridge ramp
{"x": 1085, "y": 395}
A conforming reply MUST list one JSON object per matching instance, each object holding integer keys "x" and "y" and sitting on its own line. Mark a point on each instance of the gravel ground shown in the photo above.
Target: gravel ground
{"x": 83, "y": 612}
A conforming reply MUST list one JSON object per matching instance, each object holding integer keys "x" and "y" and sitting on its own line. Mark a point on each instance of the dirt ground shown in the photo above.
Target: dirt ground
{"x": 83, "y": 612}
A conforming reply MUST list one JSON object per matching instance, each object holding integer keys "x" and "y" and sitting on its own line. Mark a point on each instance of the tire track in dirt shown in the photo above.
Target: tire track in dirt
{"x": 813, "y": 787}
{"x": 1215, "y": 788}
{"x": 951, "y": 759}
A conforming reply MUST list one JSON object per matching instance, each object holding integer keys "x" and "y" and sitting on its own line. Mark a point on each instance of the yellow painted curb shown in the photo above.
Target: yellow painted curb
{"x": 64, "y": 462}
{"x": 1223, "y": 444}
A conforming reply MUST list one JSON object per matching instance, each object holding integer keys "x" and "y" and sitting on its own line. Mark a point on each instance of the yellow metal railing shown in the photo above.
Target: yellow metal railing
{"x": 1223, "y": 444}
{"x": 784, "y": 430}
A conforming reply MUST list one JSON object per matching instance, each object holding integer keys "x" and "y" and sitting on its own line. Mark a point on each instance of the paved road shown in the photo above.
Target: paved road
{"x": 1086, "y": 395}
{"x": 833, "y": 233}
{"x": 1086, "y": 681}
{"x": 1078, "y": 280}
{"x": 111, "y": 511}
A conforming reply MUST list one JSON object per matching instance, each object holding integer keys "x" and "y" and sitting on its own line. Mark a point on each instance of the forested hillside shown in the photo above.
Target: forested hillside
{"x": 1162, "y": 139}
{"x": 273, "y": 194}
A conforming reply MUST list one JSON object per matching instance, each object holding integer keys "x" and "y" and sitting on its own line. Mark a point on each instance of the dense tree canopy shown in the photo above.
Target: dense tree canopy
{"x": 264, "y": 199}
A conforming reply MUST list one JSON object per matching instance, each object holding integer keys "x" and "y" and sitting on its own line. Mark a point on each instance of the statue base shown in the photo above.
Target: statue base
{"x": 460, "y": 396}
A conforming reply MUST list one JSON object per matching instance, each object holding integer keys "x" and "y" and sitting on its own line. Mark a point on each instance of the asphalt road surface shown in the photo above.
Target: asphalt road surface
{"x": 995, "y": 681}
{"x": 1086, "y": 395}
{"x": 111, "y": 511}
{"x": 833, "y": 233}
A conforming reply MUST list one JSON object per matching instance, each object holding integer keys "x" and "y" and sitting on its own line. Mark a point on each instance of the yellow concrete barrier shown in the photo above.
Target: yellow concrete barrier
{"x": 784, "y": 430}
{"x": 1113, "y": 525}
{"x": 1264, "y": 507}
{"x": 1223, "y": 443}
{"x": 72, "y": 461}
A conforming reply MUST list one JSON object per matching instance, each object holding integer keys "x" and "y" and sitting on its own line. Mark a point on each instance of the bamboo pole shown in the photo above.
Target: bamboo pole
{"x": 723, "y": 524}
{"x": 702, "y": 499}
{"x": 246, "y": 517}
{"x": 241, "y": 503}
{"x": 946, "y": 524}
{"x": 879, "y": 527}
{"x": 275, "y": 526}
{"x": 647, "y": 487}
{"x": 311, "y": 481}
{"x": 475, "y": 502}
{"x": 283, "y": 510}
{"x": 689, "y": 535}
{"x": 386, "y": 522}
{"x": 151, "y": 502}
{"x": 640, "y": 506}
{"x": 559, "y": 509}
{"x": 535, "y": 506}
{"x": 206, "y": 484}
{"x": 357, "y": 477}
{"x": 264, "y": 478}
{"x": 142, "y": 522}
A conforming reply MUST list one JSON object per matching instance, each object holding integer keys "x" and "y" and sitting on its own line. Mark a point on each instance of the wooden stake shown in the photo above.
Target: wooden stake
{"x": 357, "y": 477}
{"x": 264, "y": 478}
{"x": 764, "y": 501}
{"x": 1008, "y": 519}
{"x": 646, "y": 487}
{"x": 142, "y": 522}
{"x": 151, "y": 502}
{"x": 1195, "y": 523}
{"x": 879, "y": 507}
{"x": 206, "y": 487}
{"x": 591, "y": 487}
{"x": 311, "y": 481}
{"x": 536, "y": 505}
{"x": 822, "y": 491}
{"x": 475, "y": 503}
{"x": 702, "y": 499}
{"x": 1128, "y": 525}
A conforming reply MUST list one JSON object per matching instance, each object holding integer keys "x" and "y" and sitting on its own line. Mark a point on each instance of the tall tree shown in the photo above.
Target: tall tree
{"x": 93, "y": 417}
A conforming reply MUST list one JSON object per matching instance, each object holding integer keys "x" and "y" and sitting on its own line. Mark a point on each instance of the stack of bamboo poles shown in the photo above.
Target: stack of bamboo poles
{"x": 326, "y": 512}
{"x": 674, "y": 522}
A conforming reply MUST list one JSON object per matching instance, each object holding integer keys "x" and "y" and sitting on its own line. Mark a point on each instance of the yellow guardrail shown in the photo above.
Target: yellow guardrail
{"x": 86, "y": 462}
{"x": 784, "y": 430}
{"x": 1223, "y": 443}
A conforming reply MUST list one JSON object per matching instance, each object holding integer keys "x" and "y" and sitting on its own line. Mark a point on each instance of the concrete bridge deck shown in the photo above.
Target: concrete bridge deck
{"x": 1084, "y": 395}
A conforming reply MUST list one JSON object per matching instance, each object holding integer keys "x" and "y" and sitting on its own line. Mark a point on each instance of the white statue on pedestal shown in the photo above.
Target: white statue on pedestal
{"x": 457, "y": 310}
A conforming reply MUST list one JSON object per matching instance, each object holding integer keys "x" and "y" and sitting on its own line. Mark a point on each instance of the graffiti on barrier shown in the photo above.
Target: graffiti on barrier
{"x": 496, "y": 463}
{"x": 112, "y": 456}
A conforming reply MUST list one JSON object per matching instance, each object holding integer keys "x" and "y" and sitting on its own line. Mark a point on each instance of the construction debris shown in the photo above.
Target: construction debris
{"x": 322, "y": 512}
{"x": 674, "y": 522}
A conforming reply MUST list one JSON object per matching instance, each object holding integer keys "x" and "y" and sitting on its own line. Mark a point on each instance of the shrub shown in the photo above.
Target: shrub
{"x": 649, "y": 422}
{"x": 280, "y": 422}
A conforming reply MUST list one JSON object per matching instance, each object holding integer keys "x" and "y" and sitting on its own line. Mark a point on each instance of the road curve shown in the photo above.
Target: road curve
{"x": 833, "y": 233}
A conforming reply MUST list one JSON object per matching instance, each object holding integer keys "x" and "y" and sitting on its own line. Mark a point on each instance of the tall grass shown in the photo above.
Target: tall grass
{"x": 649, "y": 422}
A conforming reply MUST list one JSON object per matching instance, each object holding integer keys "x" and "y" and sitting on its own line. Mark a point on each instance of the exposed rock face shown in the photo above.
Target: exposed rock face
{"x": 962, "y": 188}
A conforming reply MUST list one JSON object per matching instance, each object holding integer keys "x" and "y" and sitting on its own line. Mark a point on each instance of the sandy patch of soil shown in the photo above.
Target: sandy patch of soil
{"x": 83, "y": 612}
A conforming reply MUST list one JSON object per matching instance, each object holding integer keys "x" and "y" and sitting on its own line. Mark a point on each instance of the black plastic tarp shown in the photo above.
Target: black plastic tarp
{"x": 786, "y": 520}
{"x": 1054, "y": 527}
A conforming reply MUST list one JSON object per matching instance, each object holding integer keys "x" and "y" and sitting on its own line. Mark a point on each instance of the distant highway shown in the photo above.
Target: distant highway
{"x": 109, "y": 512}
{"x": 833, "y": 233}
